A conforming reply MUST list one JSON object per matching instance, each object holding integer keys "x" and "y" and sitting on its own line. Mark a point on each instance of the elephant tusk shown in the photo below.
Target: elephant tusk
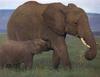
{"x": 85, "y": 43}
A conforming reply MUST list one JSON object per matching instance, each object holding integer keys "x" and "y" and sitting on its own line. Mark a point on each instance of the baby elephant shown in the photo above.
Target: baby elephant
{"x": 20, "y": 52}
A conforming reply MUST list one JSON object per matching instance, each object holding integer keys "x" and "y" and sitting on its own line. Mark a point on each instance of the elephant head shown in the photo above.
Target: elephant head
{"x": 78, "y": 25}
{"x": 71, "y": 20}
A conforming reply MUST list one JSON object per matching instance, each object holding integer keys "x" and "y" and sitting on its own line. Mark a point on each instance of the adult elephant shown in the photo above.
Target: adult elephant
{"x": 52, "y": 22}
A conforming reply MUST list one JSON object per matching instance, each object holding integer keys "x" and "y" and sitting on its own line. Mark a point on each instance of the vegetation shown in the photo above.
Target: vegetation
{"x": 42, "y": 65}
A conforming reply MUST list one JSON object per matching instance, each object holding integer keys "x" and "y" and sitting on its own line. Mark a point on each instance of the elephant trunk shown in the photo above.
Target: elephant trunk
{"x": 87, "y": 37}
{"x": 89, "y": 41}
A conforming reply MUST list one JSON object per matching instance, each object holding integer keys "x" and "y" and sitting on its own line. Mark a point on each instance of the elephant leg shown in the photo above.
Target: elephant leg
{"x": 60, "y": 48}
{"x": 28, "y": 61}
{"x": 56, "y": 60}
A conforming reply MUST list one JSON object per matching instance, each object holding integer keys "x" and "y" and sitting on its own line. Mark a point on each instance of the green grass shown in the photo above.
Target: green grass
{"x": 42, "y": 64}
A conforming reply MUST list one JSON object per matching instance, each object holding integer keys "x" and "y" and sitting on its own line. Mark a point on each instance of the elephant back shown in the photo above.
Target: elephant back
{"x": 26, "y": 21}
{"x": 54, "y": 18}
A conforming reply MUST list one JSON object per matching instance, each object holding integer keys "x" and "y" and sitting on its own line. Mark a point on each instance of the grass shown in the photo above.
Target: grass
{"x": 42, "y": 65}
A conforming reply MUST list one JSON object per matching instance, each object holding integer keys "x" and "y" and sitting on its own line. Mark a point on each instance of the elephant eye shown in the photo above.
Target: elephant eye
{"x": 75, "y": 23}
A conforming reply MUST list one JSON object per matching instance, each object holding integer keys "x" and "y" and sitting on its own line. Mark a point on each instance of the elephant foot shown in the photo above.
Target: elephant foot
{"x": 65, "y": 61}
{"x": 67, "y": 65}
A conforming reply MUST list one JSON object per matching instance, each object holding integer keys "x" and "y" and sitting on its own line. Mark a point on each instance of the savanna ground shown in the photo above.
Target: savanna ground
{"x": 42, "y": 66}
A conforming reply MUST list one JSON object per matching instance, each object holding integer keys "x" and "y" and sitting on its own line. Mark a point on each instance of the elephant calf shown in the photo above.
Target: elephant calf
{"x": 20, "y": 52}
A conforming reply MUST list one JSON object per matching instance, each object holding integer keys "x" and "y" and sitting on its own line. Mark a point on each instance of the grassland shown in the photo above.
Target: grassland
{"x": 42, "y": 66}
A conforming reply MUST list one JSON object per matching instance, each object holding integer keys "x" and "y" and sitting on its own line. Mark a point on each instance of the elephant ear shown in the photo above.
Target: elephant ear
{"x": 54, "y": 18}
{"x": 73, "y": 13}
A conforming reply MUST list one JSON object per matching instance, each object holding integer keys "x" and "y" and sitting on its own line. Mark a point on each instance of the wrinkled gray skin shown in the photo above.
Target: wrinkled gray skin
{"x": 20, "y": 53}
{"x": 51, "y": 22}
